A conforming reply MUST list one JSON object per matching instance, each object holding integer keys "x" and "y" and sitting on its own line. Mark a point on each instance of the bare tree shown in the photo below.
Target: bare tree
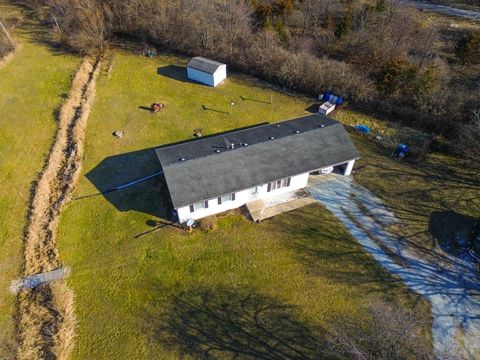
{"x": 83, "y": 25}
{"x": 390, "y": 332}
{"x": 235, "y": 18}
{"x": 314, "y": 12}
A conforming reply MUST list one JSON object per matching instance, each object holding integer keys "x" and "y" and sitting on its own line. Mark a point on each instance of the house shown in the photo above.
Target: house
{"x": 206, "y": 71}
{"x": 213, "y": 174}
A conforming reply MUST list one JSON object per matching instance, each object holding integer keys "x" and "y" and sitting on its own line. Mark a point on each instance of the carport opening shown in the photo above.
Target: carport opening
{"x": 337, "y": 169}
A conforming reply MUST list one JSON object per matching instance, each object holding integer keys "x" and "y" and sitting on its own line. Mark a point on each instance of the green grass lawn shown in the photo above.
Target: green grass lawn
{"x": 31, "y": 89}
{"x": 169, "y": 294}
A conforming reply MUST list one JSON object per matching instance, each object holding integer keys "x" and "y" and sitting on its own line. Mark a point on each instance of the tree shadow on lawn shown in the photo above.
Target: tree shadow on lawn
{"x": 224, "y": 322}
{"x": 36, "y": 33}
{"x": 150, "y": 197}
{"x": 244, "y": 98}
{"x": 453, "y": 232}
{"x": 435, "y": 185}
{"x": 326, "y": 249}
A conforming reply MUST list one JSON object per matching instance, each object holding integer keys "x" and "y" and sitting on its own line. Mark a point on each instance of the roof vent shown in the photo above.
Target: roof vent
{"x": 182, "y": 159}
{"x": 322, "y": 126}
{"x": 217, "y": 151}
{"x": 297, "y": 131}
{"x": 272, "y": 137}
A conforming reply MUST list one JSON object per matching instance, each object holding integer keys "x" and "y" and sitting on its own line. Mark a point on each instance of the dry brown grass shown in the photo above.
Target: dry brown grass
{"x": 4, "y": 61}
{"x": 46, "y": 319}
{"x": 208, "y": 223}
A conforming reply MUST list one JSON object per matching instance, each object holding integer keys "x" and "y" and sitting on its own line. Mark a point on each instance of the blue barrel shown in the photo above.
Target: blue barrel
{"x": 401, "y": 150}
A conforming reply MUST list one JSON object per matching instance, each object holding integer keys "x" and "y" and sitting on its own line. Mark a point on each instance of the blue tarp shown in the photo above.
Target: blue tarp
{"x": 332, "y": 98}
{"x": 364, "y": 129}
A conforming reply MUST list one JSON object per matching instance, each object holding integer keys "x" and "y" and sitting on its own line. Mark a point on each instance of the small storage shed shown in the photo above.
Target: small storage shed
{"x": 206, "y": 71}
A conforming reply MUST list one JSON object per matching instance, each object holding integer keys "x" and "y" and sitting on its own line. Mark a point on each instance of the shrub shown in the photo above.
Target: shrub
{"x": 468, "y": 48}
{"x": 345, "y": 25}
{"x": 208, "y": 223}
{"x": 391, "y": 333}
{"x": 407, "y": 83}
{"x": 397, "y": 77}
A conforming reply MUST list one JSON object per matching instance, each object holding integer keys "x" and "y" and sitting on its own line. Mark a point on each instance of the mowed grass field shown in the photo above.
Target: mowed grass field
{"x": 251, "y": 289}
{"x": 32, "y": 86}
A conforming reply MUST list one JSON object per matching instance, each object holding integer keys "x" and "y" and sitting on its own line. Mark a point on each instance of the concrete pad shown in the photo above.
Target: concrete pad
{"x": 285, "y": 207}
{"x": 30, "y": 282}
{"x": 267, "y": 208}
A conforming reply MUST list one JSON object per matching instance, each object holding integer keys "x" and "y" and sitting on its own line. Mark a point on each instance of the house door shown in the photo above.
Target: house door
{"x": 254, "y": 193}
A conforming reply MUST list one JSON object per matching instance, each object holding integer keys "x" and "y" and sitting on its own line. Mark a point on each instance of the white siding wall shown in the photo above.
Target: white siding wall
{"x": 220, "y": 75}
{"x": 208, "y": 79}
{"x": 349, "y": 168}
{"x": 241, "y": 198}
{"x": 200, "y": 76}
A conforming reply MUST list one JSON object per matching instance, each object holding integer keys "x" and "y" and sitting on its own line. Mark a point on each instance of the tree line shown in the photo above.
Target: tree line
{"x": 375, "y": 53}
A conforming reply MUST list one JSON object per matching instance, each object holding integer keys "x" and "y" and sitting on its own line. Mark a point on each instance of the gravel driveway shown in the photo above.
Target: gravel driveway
{"x": 442, "y": 9}
{"x": 451, "y": 285}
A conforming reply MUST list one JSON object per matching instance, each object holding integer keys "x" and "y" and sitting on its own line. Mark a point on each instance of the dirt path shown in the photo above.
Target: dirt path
{"x": 449, "y": 283}
{"x": 45, "y": 314}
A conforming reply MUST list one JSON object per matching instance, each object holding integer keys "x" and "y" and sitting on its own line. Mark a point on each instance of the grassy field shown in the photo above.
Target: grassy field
{"x": 31, "y": 89}
{"x": 167, "y": 294}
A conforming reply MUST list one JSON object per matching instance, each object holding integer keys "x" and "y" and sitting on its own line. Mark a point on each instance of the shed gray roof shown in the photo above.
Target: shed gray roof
{"x": 204, "y": 65}
{"x": 261, "y": 154}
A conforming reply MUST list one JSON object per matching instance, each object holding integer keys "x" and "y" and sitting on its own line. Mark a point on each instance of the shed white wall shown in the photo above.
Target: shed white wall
{"x": 241, "y": 198}
{"x": 220, "y": 75}
{"x": 208, "y": 79}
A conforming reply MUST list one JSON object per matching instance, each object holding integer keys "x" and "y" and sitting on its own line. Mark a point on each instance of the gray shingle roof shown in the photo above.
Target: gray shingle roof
{"x": 212, "y": 168}
{"x": 205, "y": 65}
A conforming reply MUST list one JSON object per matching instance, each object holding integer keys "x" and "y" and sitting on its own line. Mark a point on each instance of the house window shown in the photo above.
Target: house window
{"x": 226, "y": 198}
{"x": 198, "y": 206}
{"x": 278, "y": 184}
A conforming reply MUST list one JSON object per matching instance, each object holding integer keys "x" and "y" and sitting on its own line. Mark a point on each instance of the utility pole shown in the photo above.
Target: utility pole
{"x": 8, "y": 35}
